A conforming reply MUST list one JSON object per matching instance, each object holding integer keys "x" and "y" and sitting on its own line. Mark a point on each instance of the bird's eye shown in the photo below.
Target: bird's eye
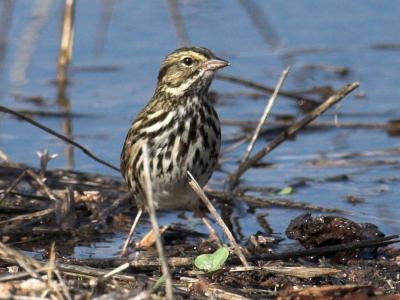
{"x": 188, "y": 61}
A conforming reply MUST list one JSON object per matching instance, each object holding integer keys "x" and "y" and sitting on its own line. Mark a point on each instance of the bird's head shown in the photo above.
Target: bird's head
{"x": 188, "y": 69}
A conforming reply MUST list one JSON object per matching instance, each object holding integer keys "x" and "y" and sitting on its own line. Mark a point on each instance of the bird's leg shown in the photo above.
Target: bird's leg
{"x": 128, "y": 239}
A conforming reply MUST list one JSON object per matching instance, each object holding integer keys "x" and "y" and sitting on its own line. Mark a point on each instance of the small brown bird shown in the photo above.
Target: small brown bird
{"x": 181, "y": 130}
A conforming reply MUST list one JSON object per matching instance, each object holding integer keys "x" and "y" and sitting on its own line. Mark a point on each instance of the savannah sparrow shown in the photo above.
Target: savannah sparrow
{"x": 181, "y": 130}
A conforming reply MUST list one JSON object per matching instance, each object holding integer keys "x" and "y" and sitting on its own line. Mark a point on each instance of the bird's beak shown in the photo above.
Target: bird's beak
{"x": 215, "y": 64}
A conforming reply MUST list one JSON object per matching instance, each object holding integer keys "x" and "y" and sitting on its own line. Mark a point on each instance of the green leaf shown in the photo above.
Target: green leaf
{"x": 286, "y": 191}
{"x": 212, "y": 262}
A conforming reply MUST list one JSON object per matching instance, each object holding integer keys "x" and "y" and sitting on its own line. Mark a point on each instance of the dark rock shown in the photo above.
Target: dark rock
{"x": 320, "y": 231}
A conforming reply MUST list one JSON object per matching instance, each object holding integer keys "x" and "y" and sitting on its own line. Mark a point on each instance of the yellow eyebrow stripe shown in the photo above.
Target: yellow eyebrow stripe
{"x": 192, "y": 54}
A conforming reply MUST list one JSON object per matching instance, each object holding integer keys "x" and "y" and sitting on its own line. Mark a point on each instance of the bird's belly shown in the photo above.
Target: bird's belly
{"x": 171, "y": 189}
{"x": 179, "y": 197}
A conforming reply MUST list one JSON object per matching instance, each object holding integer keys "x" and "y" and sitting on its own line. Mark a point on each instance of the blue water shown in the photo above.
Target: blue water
{"x": 140, "y": 34}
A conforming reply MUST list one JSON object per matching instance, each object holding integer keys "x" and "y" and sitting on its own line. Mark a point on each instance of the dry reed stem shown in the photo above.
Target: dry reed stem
{"x": 298, "y": 271}
{"x": 42, "y": 185}
{"x": 64, "y": 59}
{"x": 265, "y": 114}
{"x": 288, "y": 203}
{"x": 33, "y": 267}
{"x": 213, "y": 234}
{"x": 38, "y": 214}
{"x": 66, "y": 43}
{"x": 58, "y": 135}
{"x": 143, "y": 263}
{"x": 149, "y": 238}
{"x": 12, "y": 186}
{"x": 92, "y": 273}
{"x": 63, "y": 285}
{"x": 280, "y": 202}
{"x": 29, "y": 264}
{"x": 199, "y": 191}
{"x": 50, "y": 264}
{"x": 248, "y": 83}
{"x": 290, "y": 131}
{"x": 124, "y": 251}
{"x": 216, "y": 291}
{"x": 13, "y": 276}
{"x": 64, "y": 104}
{"x": 249, "y": 124}
{"x": 234, "y": 146}
{"x": 154, "y": 223}
{"x": 117, "y": 270}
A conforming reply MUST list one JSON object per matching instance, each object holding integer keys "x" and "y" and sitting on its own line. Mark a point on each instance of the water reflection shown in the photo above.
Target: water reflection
{"x": 7, "y": 7}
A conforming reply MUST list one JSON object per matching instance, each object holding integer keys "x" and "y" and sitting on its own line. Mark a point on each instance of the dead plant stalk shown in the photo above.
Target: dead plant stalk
{"x": 12, "y": 186}
{"x": 291, "y": 131}
{"x": 66, "y": 44}
{"x": 199, "y": 191}
{"x": 57, "y": 135}
{"x": 153, "y": 218}
{"x": 265, "y": 114}
{"x": 266, "y": 89}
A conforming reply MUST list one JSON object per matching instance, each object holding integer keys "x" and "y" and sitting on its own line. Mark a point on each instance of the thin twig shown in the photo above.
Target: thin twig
{"x": 38, "y": 214}
{"x": 295, "y": 271}
{"x": 254, "y": 201}
{"x": 321, "y": 125}
{"x": 141, "y": 262}
{"x": 245, "y": 82}
{"x": 110, "y": 210}
{"x": 213, "y": 234}
{"x": 234, "y": 146}
{"x": 265, "y": 114}
{"x": 79, "y": 271}
{"x": 63, "y": 285}
{"x": 54, "y": 114}
{"x": 12, "y": 186}
{"x": 116, "y": 270}
{"x": 154, "y": 223}
{"x": 29, "y": 264}
{"x": 124, "y": 251}
{"x": 51, "y": 264}
{"x": 199, "y": 191}
{"x": 58, "y": 135}
{"x": 291, "y": 131}
{"x": 40, "y": 182}
{"x": 287, "y": 203}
